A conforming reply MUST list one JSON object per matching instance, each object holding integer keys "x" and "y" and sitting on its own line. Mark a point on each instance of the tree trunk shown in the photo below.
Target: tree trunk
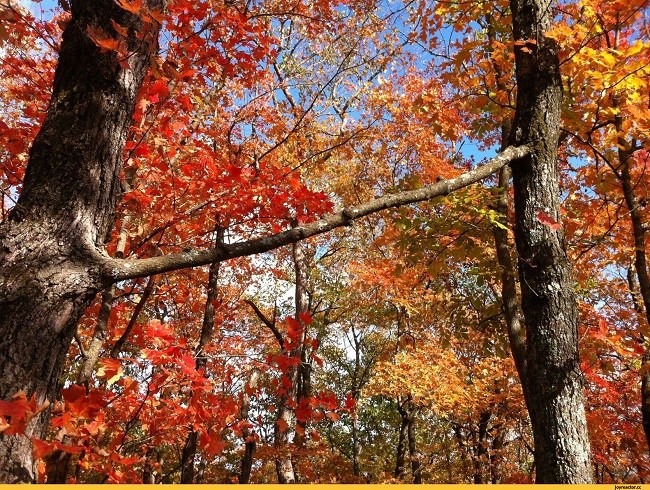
{"x": 299, "y": 376}
{"x": 64, "y": 213}
{"x": 641, "y": 267}
{"x": 640, "y": 260}
{"x": 401, "y": 445}
{"x": 416, "y": 465}
{"x": 553, "y": 385}
{"x": 207, "y": 330}
{"x": 247, "y": 434}
{"x": 481, "y": 453}
{"x": 357, "y": 383}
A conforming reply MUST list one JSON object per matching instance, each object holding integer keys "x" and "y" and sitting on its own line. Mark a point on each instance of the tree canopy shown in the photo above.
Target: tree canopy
{"x": 343, "y": 241}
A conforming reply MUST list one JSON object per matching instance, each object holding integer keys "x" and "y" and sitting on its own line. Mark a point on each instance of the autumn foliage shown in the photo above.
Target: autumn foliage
{"x": 257, "y": 116}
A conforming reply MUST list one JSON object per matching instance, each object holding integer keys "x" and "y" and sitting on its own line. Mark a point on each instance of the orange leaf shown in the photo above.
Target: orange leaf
{"x": 333, "y": 416}
{"x": 122, "y": 31}
{"x": 41, "y": 448}
{"x": 102, "y": 40}
{"x": 282, "y": 425}
{"x": 134, "y": 7}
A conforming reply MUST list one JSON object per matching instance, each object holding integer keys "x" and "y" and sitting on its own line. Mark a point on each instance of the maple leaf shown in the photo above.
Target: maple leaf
{"x": 122, "y": 31}
{"x": 333, "y": 416}
{"x": 18, "y": 411}
{"x": 41, "y": 448}
{"x": 547, "y": 220}
{"x": 109, "y": 369}
{"x": 350, "y": 402}
{"x": 134, "y": 6}
{"x": 102, "y": 40}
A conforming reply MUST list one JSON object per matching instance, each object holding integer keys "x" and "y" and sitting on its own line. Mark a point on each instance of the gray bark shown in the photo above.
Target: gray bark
{"x": 553, "y": 385}
{"x": 52, "y": 261}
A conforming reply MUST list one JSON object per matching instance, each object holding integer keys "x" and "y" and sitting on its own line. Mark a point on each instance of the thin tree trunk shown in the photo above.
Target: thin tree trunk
{"x": 400, "y": 458}
{"x": 462, "y": 446}
{"x": 641, "y": 266}
{"x": 416, "y": 465}
{"x": 207, "y": 330}
{"x": 247, "y": 434}
{"x": 148, "y": 475}
{"x": 553, "y": 385}
{"x": 298, "y": 376}
{"x": 304, "y": 388}
{"x": 481, "y": 458}
{"x": 496, "y": 456}
{"x": 357, "y": 382}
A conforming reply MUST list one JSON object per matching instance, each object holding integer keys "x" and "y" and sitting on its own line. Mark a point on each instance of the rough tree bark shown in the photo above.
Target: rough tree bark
{"x": 52, "y": 258}
{"x": 49, "y": 246}
{"x": 553, "y": 385}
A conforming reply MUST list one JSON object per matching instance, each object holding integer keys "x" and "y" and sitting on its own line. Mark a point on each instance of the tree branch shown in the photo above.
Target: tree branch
{"x": 134, "y": 317}
{"x": 270, "y": 324}
{"x": 121, "y": 269}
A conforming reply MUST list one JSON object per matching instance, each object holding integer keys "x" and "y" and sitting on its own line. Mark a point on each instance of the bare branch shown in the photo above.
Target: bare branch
{"x": 134, "y": 318}
{"x": 265, "y": 320}
{"x": 122, "y": 269}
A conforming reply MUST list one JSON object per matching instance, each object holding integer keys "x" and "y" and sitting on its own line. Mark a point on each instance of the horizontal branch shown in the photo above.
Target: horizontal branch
{"x": 121, "y": 269}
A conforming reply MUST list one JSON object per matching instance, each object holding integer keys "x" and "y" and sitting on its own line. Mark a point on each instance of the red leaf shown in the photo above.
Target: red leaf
{"x": 157, "y": 330}
{"x": 294, "y": 330}
{"x": 305, "y": 317}
{"x": 602, "y": 327}
{"x": 547, "y": 220}
{"x": 282, "y": 425}
{"x": 109, "y": 368}
{"x": 41, "y": 448}
{"x": 350, "y": 402}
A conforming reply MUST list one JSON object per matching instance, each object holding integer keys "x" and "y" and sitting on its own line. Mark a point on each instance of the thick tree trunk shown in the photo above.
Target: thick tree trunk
{"x": 64, "y": 213}
{"x": 553, "y": 385}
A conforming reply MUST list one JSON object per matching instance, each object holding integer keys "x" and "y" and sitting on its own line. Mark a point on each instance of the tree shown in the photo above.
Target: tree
{"x": 552, "y": 383}
{"x": 238, "y": 119}
{"x": 54, "y": 261}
